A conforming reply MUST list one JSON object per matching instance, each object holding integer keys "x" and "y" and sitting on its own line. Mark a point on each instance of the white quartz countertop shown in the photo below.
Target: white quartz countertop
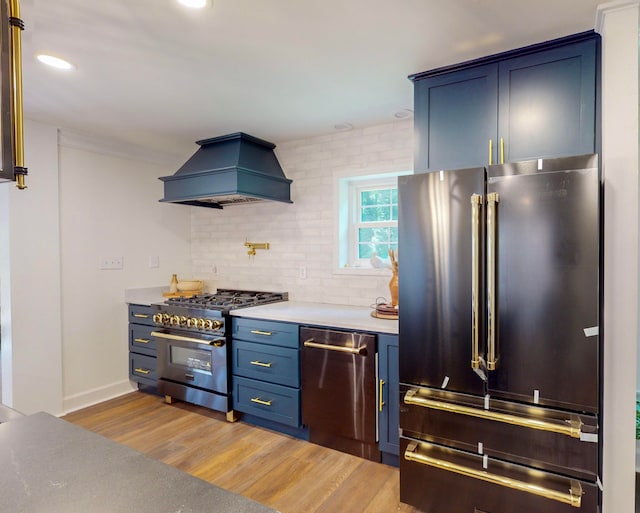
{"x": 320, "y": 314}
{"x": 145, "y": 296}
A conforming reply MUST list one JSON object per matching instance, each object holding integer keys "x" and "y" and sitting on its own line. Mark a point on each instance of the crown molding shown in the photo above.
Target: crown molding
{"x": 607, "y": 8}
{"x": 105, "y": 145}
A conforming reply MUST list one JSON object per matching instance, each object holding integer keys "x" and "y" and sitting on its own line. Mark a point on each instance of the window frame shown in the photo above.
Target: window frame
{"x": 355, "y": 222}
{"x": 345, "y": 184}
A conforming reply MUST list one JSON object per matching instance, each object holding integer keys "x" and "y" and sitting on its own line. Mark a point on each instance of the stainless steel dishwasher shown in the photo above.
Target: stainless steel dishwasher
{"x": 339, "y": 390}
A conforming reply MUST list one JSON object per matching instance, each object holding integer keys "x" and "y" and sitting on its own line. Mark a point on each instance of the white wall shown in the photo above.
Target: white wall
{"x": 301, "y": 234}
{"x": 30, "y": 280}
{"x": 618, "y": 25}
{"x": 64, "y": 321}
{"x": 109, "y": 207}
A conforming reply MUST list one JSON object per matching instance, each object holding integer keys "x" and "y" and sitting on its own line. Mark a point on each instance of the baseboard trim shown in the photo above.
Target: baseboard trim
{"x": 97, "y": 395}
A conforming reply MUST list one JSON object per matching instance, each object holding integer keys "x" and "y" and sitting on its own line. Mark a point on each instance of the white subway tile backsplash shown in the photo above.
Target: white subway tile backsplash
{"x": 301, "y": 233}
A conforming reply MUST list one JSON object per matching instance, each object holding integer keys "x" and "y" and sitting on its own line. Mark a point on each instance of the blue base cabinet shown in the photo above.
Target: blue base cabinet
{"x": 142, "y": 347}
{"x": 389, "y": 393}
{"x": 535, "y": 102}
{"x": 265, "y": 362}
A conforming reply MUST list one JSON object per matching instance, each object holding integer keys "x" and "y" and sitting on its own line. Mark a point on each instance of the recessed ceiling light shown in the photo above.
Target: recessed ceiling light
{"x": 55, "y": 62}
{"x": 194, "y": 4}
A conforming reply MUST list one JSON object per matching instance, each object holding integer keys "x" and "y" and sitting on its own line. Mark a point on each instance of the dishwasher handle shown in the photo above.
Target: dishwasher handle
{"x": 360, "y": 351}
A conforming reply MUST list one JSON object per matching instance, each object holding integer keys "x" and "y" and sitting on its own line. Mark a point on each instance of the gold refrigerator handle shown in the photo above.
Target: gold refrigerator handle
{"x": 17, "y": 25}
{"x": 501, "y": 150}
{"x": 573, "y": 497}
{"x": 569, "y": 427}
{"x": 329, "y": 347}
{"x": 490, "y": 151}
{"x": 476, "y": 202}
{"x": 492, "y": 215}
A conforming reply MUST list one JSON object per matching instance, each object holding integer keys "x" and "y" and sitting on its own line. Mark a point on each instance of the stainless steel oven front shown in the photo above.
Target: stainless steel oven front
{"x": 193, "y": 367}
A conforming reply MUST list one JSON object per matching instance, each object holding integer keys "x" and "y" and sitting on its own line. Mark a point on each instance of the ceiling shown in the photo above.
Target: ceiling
{"x": 156, "y": 74}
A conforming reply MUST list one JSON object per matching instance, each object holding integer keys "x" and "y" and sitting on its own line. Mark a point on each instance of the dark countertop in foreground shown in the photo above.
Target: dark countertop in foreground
{"x": 52, "y": 466}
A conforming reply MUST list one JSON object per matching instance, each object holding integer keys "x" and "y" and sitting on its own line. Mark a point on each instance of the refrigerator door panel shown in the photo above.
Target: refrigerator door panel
{"x": 468, "y": 483}
{"x": 547, "y": 256}
{"x": 546, "y": 439}
{"x": 436, "y": 237}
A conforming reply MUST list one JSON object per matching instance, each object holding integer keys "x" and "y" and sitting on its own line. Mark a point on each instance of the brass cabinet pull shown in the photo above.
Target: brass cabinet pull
{"x": 490, "y": 151}
{"x": 569, "y": 427}
{"x": 492, "y": 216}
{"x": 573, "y": 497}
{"x": 501, "y": 150}
{"x": 15, "y": 78}
{"x": 260, "y": 401}
{"x": 258, "y": 332}
{"x": 381, "y": 388}
{"x": 351, "y": 350}
{"x": 476, "y": 203}
{"x": 260, "y": 364}
{"x": 142, "y": 371}
{"x": 142, "y": 340}
{"x": 141, "y": 316}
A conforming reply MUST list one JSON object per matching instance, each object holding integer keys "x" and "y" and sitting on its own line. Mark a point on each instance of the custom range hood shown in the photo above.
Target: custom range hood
{"x": 227, "y": 170}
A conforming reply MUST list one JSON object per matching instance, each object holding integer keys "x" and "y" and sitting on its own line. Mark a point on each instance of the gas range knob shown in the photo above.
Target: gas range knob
{"x": 201, "y": 323}
{"x": 157, "y": 318}
{"x": 166, "y": 318}
{"x": 217, "y": 325}
{"x": 175, "y": 320}
{"x": 192, "y": 322}
{"x": 208, "y": 324}
{"x": 183, "y": 320}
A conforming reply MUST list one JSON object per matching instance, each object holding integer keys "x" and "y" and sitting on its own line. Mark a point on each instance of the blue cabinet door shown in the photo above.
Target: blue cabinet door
{"x": 456, "y": 115}
{"x": 521, "y": 105}
{"x": 547, "y": 103}
{"x": 388, "y": 410}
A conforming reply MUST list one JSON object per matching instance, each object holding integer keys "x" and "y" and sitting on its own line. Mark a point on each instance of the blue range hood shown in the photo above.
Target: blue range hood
{"x": 227, "y": 170}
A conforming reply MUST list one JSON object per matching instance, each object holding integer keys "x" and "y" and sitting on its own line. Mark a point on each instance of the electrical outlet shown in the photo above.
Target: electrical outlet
{"x": 303, "y": 272}
{"x": 111, "y": 262}
{"x": 154, "y": 262}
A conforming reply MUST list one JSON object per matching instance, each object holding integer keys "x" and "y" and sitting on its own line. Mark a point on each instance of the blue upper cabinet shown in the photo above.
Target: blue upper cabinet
{"x": 548, "y": 103}
{"x": 538, "y": 101}
{"x": 456, "y": 115}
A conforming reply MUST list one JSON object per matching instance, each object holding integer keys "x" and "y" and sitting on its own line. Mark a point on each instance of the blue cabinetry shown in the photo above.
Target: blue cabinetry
{"x": 389, "y": 392}
{"x": 536, "y": 102}
{"x": 142, "y": 348}
{"x": 265, "y": 364}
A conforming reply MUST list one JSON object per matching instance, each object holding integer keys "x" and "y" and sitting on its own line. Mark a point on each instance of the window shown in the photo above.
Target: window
{"x": 375, "y": 229}
{"x": 367, "y": 222}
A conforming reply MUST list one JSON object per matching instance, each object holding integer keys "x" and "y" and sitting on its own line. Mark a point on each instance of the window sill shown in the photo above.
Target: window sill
{"x": 363, "y": 271}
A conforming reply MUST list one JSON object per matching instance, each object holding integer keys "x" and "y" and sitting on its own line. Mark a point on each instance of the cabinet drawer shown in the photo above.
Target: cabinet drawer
{"x": 140, "y": 339}
{"x": 141, "y": 314}
{"x": 429, "y": 473}
{"x": 265, "y": 362}
{"x": 273, "y": 402}
{"x": 142, "y": 368}
{"x": 266, "y": 332}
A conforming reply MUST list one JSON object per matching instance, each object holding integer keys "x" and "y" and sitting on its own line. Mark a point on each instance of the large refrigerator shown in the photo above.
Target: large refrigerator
{"x": 500, "y": 371}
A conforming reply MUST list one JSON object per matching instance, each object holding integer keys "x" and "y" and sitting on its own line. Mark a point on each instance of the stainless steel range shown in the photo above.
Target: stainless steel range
{"x": 192, "y": 336}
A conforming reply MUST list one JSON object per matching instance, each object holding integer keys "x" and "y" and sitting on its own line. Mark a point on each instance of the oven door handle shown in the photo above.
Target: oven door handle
{"x": 329, "y": 347}
{"x": 215, "y": 342}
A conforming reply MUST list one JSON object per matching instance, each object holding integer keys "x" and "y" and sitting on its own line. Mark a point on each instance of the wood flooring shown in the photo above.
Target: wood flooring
{"x": 287, "y": 474}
